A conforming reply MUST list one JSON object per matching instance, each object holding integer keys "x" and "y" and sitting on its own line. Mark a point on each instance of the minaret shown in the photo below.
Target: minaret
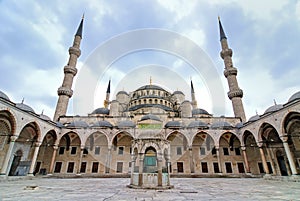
{"x": 235, "y": 94}
{"x": 106, "y": 101}
{"x": 194, "y": 102}
{"x": 65, "y": 92}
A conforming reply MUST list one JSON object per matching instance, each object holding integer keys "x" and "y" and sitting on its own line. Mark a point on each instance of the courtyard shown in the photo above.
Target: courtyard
{"x": 115, "y": 189}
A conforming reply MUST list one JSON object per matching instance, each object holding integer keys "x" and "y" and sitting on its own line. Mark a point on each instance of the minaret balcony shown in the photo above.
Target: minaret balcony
{"x": 226, "y": 52}
{"x": 65, "y": 91}
{"x": 70, "y": 69}
{"x": 230, "y": 71}
{"x": 235, "y": 93}
{"x": 74, "y": 50}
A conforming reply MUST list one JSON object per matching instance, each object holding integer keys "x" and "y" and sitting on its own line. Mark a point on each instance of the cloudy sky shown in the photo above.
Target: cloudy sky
{"x": 264, "y": 35}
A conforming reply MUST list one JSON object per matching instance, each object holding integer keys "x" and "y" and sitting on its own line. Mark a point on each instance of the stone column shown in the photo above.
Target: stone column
{"x": 159, "y": 171}
{"x": 33, "y": 161}
{"x": 192, "y": 169}
{"x": 141, "y": 165}
{"x": 133, "y": 158}
{"x": 107, "y": 165}
{"x": 55, "y": 147}
{"x": 245, "y": 159}
{"x": 289, "y": 154}
{"x": 80, "y": 159}
{"x": 4, "y": 171}
{"x": 271, "y": 159}
{"x": 263, "y": 159}
{"x": 168, "y": 168}
{"x": 219, "y": 159}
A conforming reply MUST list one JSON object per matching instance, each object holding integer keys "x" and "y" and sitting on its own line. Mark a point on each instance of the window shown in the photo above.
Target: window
{"x": 121, "y": 150}
{"x": 61, "y": 150}
{"x": 225, "y": 151}
{"x": 97, "y": 150}
{"x": 241, "y": 167}
{"x": 119, "y": 167}
{"x": 260, "y": 167}
{"x": 73, "y": 150}
{"x": 228, "y": 167}
{"x": 180, "y": 167}
{"x": 85, "y": 151}
{"x": 237, "y": 151}
{"x": 214, "y": 151}
{"x": 216, "y": 168}
{"x": 83, "y": 167}
{"x": 270, "y": 167}
{"x": 202, "y": 151}
{"x": 204, "y": 167}
{"x": 57, "y": 167}
{"x": 179, "y": 151}
{"x": 95, "y": 167}
{"x": 70, "y": 167}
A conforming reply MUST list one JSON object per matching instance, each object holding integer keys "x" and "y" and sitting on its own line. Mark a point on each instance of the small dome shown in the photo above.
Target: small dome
{"x": 197, "y": 124}
{"x": 173, "y": 124}
{"x": 273, "y": 108}
{"x": 24, "y": 107}
{"x": 122, "y": 92}
{"x": 101, "y": 110}
{"x": 59, "y": 125}
{"x": 221, "y": 124}
{"x": 4, "y": 96}
{"x": 78, "y": 124}
{"x": 254, "y": 118}
{"x": 178, "y": 92}
{"x": 151, "y": 117}
{"x": 102, "y": 124}
{"x": 151, "y": 86}
{"x": 126, "y": 124}
{"x": 295, "y": 96}
{"x": 45, "y": 117}
{"x": 239, "y": 125}
{"x": 198, "y": 111}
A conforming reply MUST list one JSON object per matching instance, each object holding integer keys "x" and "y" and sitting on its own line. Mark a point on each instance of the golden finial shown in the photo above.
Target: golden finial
{"x": 22, "y": 100}
{"x": 219, "y": 17}
{"x": 83, "y": 16}
{"x": 150, "y": 80}
{"x": 274, "y": 102}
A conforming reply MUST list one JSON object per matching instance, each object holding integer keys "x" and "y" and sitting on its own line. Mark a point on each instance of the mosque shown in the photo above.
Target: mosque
{"x": 149, "y": 130}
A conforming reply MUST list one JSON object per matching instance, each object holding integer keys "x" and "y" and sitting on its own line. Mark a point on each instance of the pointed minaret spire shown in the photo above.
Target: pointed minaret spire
{"x": 194, "y": 102}
{"x": 235, "y": 94}
{"x": 80, "y": 27}
{"x": 65, "y": 92}
{"x": 106, "y": 101}
{"x": 222, "y": 33}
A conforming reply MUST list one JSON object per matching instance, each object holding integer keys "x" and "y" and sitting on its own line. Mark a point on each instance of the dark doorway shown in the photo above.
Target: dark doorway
{"x": 16, "y": 161}
{"x": 180, "y": 167}
{"x": 282, "y": 167}
{"x": 241, "y": 167}
{"x": 37, "y": 167}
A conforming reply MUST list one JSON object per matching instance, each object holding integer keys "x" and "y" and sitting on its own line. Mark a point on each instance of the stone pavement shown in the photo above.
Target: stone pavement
{"x": 115, "y": 189}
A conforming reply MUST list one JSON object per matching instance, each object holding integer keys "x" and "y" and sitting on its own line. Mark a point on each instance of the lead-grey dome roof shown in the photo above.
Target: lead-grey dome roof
{"x": 273, "y": 108}
{"x": 126, "y": 124}
{"x": 4, "y": 96}
{"x": 295, "y": 96}
{"x": 151, "y": 117}
{"x": 221, "y": 124}
{"x": 122, "y": 92}
{"x": 254, "y": 118}
{"x": 198, "y": 124}
{"x": 45, "y": 117}
{"x": 173, "y": 124}
{"x": 150, "y": 87}
{"x": 178, "y": 92}
{"x": 198, "y": 111}
{"x": 78, "y": 124}
{"x": 24, "y": 107}
{"x": 101, "y": 110}
{"x": 102, "y": 124}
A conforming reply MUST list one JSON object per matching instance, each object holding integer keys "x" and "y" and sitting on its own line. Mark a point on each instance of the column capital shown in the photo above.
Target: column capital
{"x": 13, "y": 138}
{"x": 260, "y": 144}
{"x": 243, "y": 148}
{"x": 284, "y": 137}
{"x": 55, "y": 147}
{"x": 37, "y": 144}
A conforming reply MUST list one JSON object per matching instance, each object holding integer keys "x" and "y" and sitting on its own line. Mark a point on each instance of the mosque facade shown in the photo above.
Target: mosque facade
{"x": 150, "y": 130}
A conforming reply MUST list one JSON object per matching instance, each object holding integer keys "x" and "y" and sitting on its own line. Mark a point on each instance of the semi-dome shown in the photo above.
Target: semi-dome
{"x": 173, "y": 124}
{"x": 295, "y": 96}
{"x": 102, "y": 124}
{"x": 239, "y": 125}
{"x": 273, "y": 108}
{"x": 4, "y": 96}
{"x": 199, "y": 111}
{"x": 126, "y": 124}
{"x": 101, "y": 110}
{"x": 254, "y": 118}
{"x": 151, "y": 117}
{"x": 197, "y": 124}
{"x": 221, "y": 124}
{"x": 178, "y": 92}
{"x": 24, "y": 107}
{"x": 45, "y": 117}
{"x": 79, "y": 123}
{"x": 122, "y": 92}
{"x": 59, "y": 124}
